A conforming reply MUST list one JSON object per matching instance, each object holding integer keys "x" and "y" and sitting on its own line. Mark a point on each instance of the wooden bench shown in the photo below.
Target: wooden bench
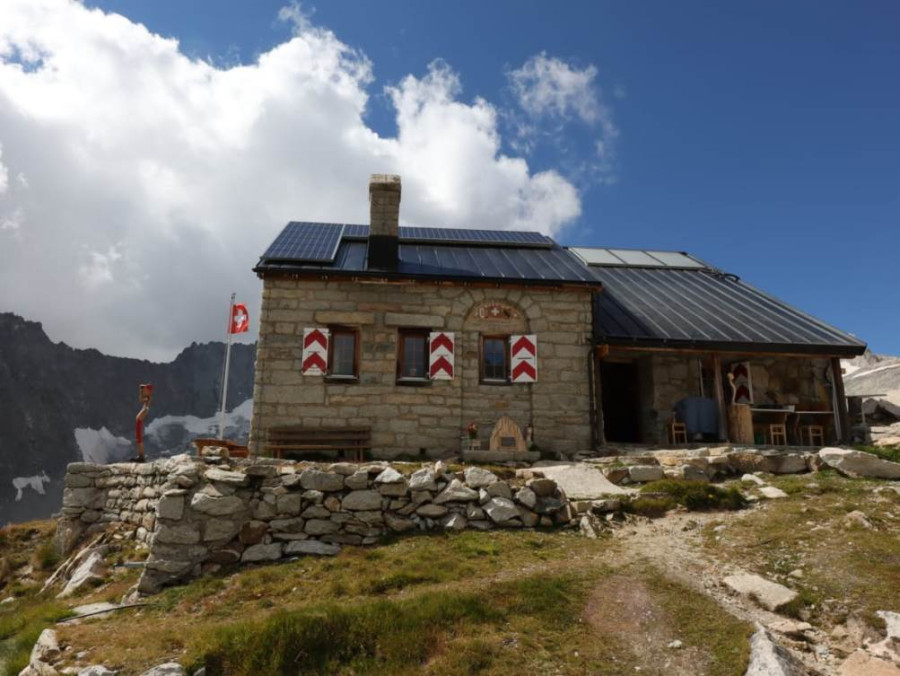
{"x": 354, "y": 441}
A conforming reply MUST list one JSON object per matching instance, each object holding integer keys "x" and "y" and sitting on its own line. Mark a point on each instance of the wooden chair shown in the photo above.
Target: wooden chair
{"x": 812, "y": 435}
{"x": 677, "y": 432}
{"x": 778, "y": 434}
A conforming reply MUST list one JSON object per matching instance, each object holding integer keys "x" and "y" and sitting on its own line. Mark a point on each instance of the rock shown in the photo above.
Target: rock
{"x": 605, "y": 506}
{"x": 454, "y": 522}
{"x": 288, "y": 504}
{"x": 182, "y": 534}
{"x": 389, "y": 476}
{"x": 216, "y": 506}
{"x": 422, "y": 480}
{"x": 343, "y": 468}
{"x": 768, "y": 658}
{"x": 501, "y": 510}
{"x": 590, "y": 526}
{"x": 772, "y": 493}
{"x": 294, "y": 525}
{"x": 787, "y": 463}
{"x": 474, "y": 512}
{"x": 862, "y": 663}
{"x": 498, "y": 489}
{"x": 311, "y": 547}
{"x": 96, "y": 670}
{"x": 316, "y": 480}
{"x": 857, "y": 518}
{"x": 526, "y": 497}
{"x": 362, "y": 500}
{"x": 645, "y": 473}
{"x": 224, "y": 477}
{"x": 477, "y": 477}
{"x": 321, "y": 527}
{"x": 675, "y": 645}
{"x": 456, "y": 491}
{"x": 46, "y": 649}
{"x": 220, "y": 529}
{"x": 791, "y": 628}
{"x": 529, "y": 518}
{"x": 171, "y": 505}
{"x": 316, "y": 512}
{"x": 91, "y": 570}
{"x": 395, "y": 490}
{"x": 891, "y": 622}
{"x": 859, "y": 464}
{"x": 431, "y": 511}
{"x": 357, "y": 481}
{"x": 615, "y": 475}
{"x": 398, "y": 524}
{"x": 271, "y": 552}
{"x": 543, "y": 488}
{"x": 167, "y": 669}
{"x": 770, "y": 595}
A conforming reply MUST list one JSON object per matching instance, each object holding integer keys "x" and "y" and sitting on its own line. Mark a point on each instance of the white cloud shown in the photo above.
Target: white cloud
{"x": 156, "y": 180}
{"x": 552, "y": 93}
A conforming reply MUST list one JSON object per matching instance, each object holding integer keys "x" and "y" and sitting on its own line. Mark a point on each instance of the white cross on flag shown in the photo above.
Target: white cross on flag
{"x": 240, "y": 320}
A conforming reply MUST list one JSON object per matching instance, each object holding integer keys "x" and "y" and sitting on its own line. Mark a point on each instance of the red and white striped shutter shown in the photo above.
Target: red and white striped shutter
{"x": 440, "y": 355}
{"x": 315, "y": 352}
{"x": 523, "y": 359}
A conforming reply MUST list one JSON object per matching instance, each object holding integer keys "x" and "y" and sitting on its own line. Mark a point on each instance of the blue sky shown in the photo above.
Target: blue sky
{"x": 762, "y": 137}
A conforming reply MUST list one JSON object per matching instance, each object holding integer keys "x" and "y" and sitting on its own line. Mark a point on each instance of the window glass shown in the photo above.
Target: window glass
{"x": 413, "y": 362}
{"x": 343, "y": 353}
{"x": 493, "y": 353}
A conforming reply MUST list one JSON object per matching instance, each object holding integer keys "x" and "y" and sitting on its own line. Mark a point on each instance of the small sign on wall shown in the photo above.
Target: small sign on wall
{"x": 315, "y": 352}
{"x": 440, "y": 355}
{"x": 523, "y": 358}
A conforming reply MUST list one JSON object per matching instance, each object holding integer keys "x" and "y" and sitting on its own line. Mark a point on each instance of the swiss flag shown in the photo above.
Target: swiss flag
{"x": 240, "y": 320}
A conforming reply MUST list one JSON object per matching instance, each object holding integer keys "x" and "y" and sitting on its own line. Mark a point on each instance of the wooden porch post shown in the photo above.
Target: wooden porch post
{"x": 840, "y": 401}
{"x": 720, "y": 398}
{"x": 600, "y": 429}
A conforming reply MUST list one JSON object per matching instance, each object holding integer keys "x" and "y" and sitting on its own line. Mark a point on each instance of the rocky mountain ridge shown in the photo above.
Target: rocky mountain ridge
{"x": 48, "y": 391}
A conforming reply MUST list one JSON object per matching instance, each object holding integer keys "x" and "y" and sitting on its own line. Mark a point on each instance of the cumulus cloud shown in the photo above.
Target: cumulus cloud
{"x": 552, "y": 93}
{"x": 155, "y": 180}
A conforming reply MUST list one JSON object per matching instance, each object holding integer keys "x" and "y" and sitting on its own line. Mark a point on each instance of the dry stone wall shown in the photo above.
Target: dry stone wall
{"x": 204, "y": 516}
{"x": 426, "y": 419}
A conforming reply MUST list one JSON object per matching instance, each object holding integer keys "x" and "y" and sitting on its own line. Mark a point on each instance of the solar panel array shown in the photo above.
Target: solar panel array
{"x": 309, "y": 242}
{"x": 516, "y": 238}
{"x": 637, "y": 258}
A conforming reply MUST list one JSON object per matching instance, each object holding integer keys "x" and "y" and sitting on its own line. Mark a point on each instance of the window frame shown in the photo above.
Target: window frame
{"x": 482, "y": 379}
{"x": 401, "y": 356}
{"x": 334, "y": 331}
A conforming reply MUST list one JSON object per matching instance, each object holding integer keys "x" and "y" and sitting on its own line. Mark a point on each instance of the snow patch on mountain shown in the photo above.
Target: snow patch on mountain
{"x": 172, "y": 434}
{"x": 101, "y": 446}
{"x": 36, "y": 483}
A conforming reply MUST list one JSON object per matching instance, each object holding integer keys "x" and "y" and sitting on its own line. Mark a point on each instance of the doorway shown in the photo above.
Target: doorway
{"x": 621, "y": 401}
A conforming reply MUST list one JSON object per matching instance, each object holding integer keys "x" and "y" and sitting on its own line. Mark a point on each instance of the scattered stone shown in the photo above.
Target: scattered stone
{"x": 167, "y": 669}
{"x": 590, "y": 526}
{"x": 752, "y": 478}
{"x": 96, "y": 670}
{"x": 768, "y": 658}
{"x": 859, "y": 463}
{"x": 645, "y": 473}
{"x": 791, "y": 628}
{"x": 675, "y": 645}
{"x": 92, "y": 570}
{"x": 857, "y": 518}
{"x": 477, "y": 477}
{"x": 772, "y": 493}
{"x": 770, "y": 595}
{"x": 862, "y": 663}
{"x": 47, "y": 647}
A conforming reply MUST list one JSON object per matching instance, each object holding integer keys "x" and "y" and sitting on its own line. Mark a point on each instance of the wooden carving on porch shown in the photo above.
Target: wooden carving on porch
{"x": 507, "y": 436}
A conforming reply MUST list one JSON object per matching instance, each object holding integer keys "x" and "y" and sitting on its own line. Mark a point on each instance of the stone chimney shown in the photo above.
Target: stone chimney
{"x": 384, "y": 219}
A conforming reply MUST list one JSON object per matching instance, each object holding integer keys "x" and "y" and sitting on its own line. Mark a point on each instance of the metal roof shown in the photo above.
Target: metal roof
{"x": 469, "y": 255}
{"x": 704, "y": 308}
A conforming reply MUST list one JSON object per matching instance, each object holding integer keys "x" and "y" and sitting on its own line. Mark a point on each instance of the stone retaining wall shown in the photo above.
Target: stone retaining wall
{"x": 196, "y": 517}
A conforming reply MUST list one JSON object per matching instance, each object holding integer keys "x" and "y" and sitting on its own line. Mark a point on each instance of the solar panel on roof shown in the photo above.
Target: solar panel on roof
{"x": 486, "y": 237}
{"x": 637, "y": 258}
{"x": 312, "y": 242}
{"x": 356, "y": 231}
{"x": 676, "y": 259}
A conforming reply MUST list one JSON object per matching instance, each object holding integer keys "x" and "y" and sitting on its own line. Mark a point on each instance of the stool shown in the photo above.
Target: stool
{"x": 778, "y": 435}
{"x": 678, "y": 433}
{"x": 814, "y": 434}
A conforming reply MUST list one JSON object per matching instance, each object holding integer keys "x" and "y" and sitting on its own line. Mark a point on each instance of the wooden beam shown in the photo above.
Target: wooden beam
{"x": 840, "y": 401}
{"x": 720, "y": 398}
{"x": 597, "y": 404}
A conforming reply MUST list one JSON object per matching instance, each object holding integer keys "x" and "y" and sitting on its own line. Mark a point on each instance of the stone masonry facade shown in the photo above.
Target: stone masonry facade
{"x": 430, "y": 419}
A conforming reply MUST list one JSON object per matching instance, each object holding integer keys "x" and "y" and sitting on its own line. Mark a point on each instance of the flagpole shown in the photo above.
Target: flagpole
{"x": 227, "y": 364}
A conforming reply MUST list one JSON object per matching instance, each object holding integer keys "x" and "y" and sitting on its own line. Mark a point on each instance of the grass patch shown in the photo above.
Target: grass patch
{"x": 20, "y": 626}
{"x": 658, "y": 497}
{"x": 891, "y": 453}
{"x": 396, "y": 636}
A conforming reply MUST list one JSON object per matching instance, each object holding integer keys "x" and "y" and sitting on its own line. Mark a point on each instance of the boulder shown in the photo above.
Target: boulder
{"x": 477, "y": 477}
{"x": 772, "y": 493}
{"x": 422, "y": 480}
{"x": 862, "y": 663}
{"x": 91, "y": 570}
{"x": 316, "y": 480}
{"x": 787, "y": 463}
{"x": 456, "y": 491}
{"x": 362, "y": 500}
{"x": 500, "y": 510}
{"x": 46, "y": 649}
{"x": 768, "y": 658}
{"x": 859, "y": 464}
{"x": 770, "y": 595}
{"x": 311, "y": 547}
